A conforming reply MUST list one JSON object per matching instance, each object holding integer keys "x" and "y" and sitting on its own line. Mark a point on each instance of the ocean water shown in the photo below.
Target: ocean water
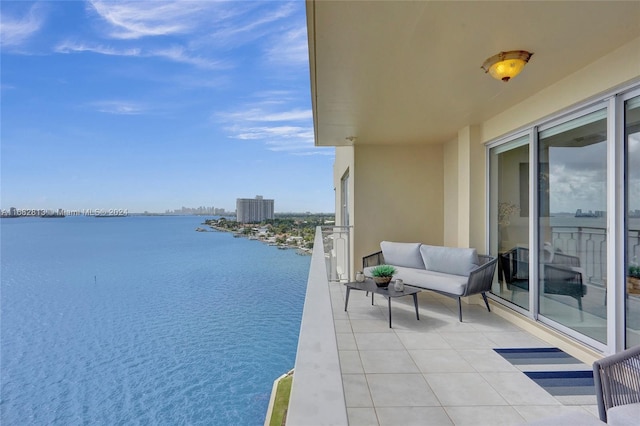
{"x": 142, "y": 320}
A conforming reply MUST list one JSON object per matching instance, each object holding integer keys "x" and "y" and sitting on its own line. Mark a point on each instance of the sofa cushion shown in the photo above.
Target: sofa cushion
{"x": 402, "y": 254}
{"x": 429, "y": 280}
{"x": 576, "y": 417}
{"x": 624, "y": 414}
{"x": 449, "y": 260}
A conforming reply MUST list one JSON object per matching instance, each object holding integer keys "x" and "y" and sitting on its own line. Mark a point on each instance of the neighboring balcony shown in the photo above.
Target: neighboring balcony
{"x": 336, "y": 242}
{"x": 351, "y": 368}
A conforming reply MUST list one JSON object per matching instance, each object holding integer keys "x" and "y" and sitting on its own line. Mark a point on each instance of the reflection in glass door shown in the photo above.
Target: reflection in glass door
{"x": 510, "y": 220}
{"x": 572, "y": 208}
{"x": 344, "y": 199}
{"x": 632, "y": 209}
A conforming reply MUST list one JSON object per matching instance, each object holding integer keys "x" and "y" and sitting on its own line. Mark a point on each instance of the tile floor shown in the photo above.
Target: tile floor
{"x": 436, "y": 371}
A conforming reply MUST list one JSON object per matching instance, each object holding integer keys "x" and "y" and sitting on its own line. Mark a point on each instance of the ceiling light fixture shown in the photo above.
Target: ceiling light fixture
{"x": 506, "y": 65}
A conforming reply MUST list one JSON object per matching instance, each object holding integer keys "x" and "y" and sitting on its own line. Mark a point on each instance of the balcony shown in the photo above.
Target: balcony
{"x": 351, "y": 368}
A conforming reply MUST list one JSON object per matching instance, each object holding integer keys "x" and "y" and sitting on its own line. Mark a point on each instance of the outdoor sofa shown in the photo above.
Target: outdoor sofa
{"x": 451, "y": 271}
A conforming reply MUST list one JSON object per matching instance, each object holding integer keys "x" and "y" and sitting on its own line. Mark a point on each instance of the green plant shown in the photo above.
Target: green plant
{"x": 634, "y": 271}
{"x": 383, "y": 271}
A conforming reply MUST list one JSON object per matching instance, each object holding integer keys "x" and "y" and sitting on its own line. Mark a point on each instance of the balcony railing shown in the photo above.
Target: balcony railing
{"x": 317, "y": 395}
{"x": 336, "y": 243}
{"x": 590, "y": 245}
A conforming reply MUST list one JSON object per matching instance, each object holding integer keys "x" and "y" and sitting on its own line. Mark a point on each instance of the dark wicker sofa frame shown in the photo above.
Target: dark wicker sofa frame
{"x": 480, "y": 279}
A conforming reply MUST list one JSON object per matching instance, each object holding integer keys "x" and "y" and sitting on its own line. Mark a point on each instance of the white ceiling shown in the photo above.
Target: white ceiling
{"x": 409, "y": 71}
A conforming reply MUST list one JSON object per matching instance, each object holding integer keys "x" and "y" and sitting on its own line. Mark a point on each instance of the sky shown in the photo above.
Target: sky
{"x": 151, "y": 106}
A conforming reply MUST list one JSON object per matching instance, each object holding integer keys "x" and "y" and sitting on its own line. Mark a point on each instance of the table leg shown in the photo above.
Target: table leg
{"x": 389, "y": 311}
{"x": 346, "y": 299}
{"x": 415, "y": 302}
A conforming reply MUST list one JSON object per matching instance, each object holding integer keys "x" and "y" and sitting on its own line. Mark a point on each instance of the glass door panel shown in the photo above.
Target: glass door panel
{"x": 344, "y": 199}
{"x": 572, "y": 203}
{"x": 632, "y": 209}
{"x": 509, "y": 238}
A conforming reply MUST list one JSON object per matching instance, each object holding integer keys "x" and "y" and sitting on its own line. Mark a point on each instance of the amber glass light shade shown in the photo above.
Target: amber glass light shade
{"x": 506, "y": 65}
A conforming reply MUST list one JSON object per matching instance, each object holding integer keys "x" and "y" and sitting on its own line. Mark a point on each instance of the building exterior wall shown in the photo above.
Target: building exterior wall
{"x": 614, "y": 72}
{"x": 451, "y": 193}
{"x": 440, "y": 191}
{"x": 617, "y": 68}
{"x": 343, "y": 164}
{"x": 254, "y": 210}
{"x": 398, "y": 195}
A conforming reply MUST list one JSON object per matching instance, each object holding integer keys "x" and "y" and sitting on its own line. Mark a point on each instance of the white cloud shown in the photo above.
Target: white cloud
{"x": 136, "y": 19}
{"x": 276, "y": 96}
{"x": 180, "y": 54}
{"x": 120, "y": 107}
{"x": 288, "y": 130}
{"x": 14, "y": 31}
{"x": 173, "y": 53}
{"x": 71, "y": 47}
{"x": 189, "y": 23}
{"x": 572, "y": 188}
{"x": 200, "y": 31}
{"x": 247, "y": 26}
{"x": 223, "y": 21}
{"x": 259, "y": 114}
{"x": 290, "y": 48}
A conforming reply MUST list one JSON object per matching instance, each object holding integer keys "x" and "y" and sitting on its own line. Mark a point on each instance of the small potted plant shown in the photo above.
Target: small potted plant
{"x": 633, "y": 278}
{"x": 382, "y": 275}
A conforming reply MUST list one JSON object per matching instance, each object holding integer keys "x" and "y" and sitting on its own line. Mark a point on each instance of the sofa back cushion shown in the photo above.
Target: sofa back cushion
{"x": 402, "y": 254}
{"x": 449, "y": 260}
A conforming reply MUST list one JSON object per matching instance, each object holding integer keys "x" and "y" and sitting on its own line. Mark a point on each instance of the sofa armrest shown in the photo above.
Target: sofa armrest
{"x": 481, "y": 278}
{"x": 373, "y": 259}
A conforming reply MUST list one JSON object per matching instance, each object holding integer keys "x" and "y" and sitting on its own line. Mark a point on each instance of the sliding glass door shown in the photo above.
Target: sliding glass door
{"x": 572, "y": 224}
{"x": 632, "y": 221}
{"x": 564, "y": 222}
{"x": 510, "y": 211}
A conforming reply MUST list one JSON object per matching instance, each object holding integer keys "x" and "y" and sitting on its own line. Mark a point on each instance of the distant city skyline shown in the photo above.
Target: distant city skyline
{"x": 200, "y": 210}
{"x": 183, "y": 210}
{"x": 152, "y": 105}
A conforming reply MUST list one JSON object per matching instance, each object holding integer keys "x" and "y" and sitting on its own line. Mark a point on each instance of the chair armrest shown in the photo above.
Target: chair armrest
{"x": 566, "y": 260}
{"x": 481, "y": 278}
{"x": 563, "y": 272}
{"x": 617, "y": 380}
{"x": 579, "y": 271}
{"x": 373, "y": 259}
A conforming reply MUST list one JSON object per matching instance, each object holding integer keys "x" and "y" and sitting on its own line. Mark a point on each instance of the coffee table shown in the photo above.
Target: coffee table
{"x": 369, "y": 285}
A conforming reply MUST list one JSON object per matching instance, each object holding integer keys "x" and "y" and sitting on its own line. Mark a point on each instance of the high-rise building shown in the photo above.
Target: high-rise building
{"x": 253, "y": 210}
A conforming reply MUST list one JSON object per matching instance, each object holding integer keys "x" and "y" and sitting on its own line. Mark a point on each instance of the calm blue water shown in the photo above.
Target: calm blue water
{"x": 142, "y": 320}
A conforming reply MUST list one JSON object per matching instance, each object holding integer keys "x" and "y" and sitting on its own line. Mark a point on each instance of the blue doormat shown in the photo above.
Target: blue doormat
{"x": 555, "y": 371}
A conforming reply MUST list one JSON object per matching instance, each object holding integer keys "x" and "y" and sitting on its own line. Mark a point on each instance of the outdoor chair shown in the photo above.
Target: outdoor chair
{"x": 514, "y": 269}
{"x": 562, "y": 273}
{"x": 617, "y": 383}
